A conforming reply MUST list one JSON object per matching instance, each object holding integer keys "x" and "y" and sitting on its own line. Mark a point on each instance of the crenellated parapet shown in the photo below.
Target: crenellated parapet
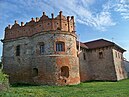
{"x": 42, "y": 24}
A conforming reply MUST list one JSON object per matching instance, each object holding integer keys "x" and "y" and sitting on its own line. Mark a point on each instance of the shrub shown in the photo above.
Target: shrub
{"x": 0, "y": 65}
{"x": 4, "y": 84}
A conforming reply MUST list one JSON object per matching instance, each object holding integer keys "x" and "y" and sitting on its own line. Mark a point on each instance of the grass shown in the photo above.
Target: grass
{"x": 88, "y": 89}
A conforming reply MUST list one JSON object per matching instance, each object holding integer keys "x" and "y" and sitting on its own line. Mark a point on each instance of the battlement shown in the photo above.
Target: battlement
{"x": 42, "y": 24}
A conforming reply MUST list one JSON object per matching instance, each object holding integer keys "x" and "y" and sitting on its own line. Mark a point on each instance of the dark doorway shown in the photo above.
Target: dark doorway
{"x": 35, "y": 72}
{"x": 65, "y": 71}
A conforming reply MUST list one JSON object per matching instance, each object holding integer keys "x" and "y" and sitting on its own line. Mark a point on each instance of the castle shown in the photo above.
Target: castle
{"x": 46, "y": 51}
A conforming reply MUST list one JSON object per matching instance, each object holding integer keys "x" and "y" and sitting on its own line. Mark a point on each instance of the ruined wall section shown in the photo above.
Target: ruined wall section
{"x": 50, "y": 63}
{"x": 41, "y": 24}
{"x": 101, "y": 64}
{"x": 119, "y": 64}
{"x": 85, "y": 72}
{"x": 51, "y": 66}
{"x": 17, "y": 67}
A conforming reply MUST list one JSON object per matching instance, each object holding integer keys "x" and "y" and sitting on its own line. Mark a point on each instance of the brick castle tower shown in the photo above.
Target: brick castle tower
{"x": 42, "y": 51}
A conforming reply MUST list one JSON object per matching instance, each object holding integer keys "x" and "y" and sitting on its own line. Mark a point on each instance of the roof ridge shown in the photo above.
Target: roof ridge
{"x": 98, "y": 40}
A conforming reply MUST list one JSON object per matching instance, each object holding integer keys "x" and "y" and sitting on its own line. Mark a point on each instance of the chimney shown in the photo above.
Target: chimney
{"x": 68, "y": 18}
{"x": 37, "y": 19}
{"x": 22, "y": 23}
{"x": 79, "y": 42}
{"x": 60, "y": 13}
{"x": 32, "y": 19}
{"x": 16, "y": 22}
{"x": 72, "y": 17}
{"x": 52, "y": 15}
{"x": 9, "y": 26}
{"x": 68, "y": 23}
{"x": 44, "y": 13}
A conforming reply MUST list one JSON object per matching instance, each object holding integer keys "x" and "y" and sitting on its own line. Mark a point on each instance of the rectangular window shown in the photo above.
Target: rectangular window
{"x": 18, "y": 50}
{"x": 84, "y": 56}
{"x": 116, "y": 54}
{"x": 41, "y": 49}
{"x": 35, "y": 72}
{"x": 100, "y": 55}
{"x": 60, "y": 46}
{"x": 119, "y": 55}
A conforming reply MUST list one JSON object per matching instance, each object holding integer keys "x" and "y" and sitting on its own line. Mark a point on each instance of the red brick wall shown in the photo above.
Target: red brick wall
{"x": 43, "y": 24}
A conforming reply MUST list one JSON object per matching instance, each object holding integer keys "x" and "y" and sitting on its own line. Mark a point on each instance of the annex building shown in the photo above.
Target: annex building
{"x": 46, "y": 51}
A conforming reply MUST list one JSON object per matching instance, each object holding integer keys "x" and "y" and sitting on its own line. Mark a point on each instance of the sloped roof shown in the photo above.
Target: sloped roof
{"x": 101, "y": 43}
{"x": 81, "y": 45}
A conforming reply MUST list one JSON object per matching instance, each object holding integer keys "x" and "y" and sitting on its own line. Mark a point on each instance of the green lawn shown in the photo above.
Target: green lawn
{"x": 88, "y": 89}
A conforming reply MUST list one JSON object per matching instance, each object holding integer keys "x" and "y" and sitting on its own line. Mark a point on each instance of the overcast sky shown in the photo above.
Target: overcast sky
{"x": 95, "y": 19}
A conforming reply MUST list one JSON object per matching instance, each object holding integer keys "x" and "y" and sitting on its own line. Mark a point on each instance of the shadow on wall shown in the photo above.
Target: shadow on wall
{"x": 126, "y": 63}
{"x": 0, "y": 65}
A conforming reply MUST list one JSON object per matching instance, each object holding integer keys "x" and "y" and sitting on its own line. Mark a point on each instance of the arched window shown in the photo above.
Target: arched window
{"x": 65, "y": 71}
{"x": 60, "y": 46}
{"x": 35, "y": 72}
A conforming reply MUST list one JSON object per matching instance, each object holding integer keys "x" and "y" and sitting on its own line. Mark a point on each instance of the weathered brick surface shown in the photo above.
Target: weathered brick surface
{"x": 103, "y": 68}
{"x": 119, "y": 64}
{"x": 43, "y": 24}
{"x": 106, "y": 68}
{"x": 85, "y": 70}
{"x": 20, "y": 68}
{"x": 95, "y": 68}
{"x": 35, "y": 68}
{"x": 45, "y": 31}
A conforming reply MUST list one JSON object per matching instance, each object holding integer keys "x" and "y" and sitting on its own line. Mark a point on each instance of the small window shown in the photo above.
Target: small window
{"x": 121, "y": 56}
{"x": 100, "y": 55}
{"x": 65, "y": 71}
{"x": 35, "y": 72}
{"x": 18, "y": 50}
{"x": 84, "y": 56}
{"x": 42, "y": 49}
{"x": 48, "y": 24}
{"x": 60, "y": 46}
{"x": 116, "y": 54}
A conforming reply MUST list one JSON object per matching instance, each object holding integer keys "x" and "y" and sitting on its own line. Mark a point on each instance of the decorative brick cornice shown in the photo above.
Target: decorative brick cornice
{"x": 44, "y": 23}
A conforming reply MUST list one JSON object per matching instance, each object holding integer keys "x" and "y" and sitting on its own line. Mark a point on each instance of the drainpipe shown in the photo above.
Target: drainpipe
{"x": 79, "y": 42}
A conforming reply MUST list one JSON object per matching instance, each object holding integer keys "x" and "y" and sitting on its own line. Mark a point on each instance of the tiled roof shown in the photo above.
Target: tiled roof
{"x": 101, "y": 43}
{"x": 81, "y": 45}
{"x": 98, "y": 43}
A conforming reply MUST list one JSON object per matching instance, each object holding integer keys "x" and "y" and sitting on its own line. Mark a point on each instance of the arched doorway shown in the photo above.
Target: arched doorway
{"x": 65, "y": 71}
